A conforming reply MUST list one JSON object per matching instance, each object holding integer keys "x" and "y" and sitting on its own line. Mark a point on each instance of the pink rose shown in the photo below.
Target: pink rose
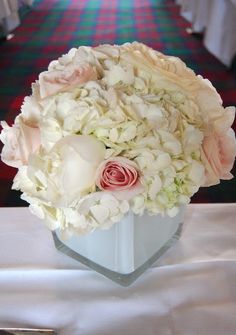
{"x": 120, "y": 176}
{"x": 19, "y": 141}
{"x": 218, "y": 155}
{"x": 52, "y": 82}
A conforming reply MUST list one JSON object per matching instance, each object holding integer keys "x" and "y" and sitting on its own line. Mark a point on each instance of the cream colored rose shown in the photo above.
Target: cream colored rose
{"x": 219, "y": 148}
{"x": 218, "y": 156}
{"x": 54, "y": 81}
{"x": 19, "y": 141}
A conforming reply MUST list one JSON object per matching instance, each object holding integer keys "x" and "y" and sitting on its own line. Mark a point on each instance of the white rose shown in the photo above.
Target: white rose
{"x": 67, "y": 171}
{"x": 80, "y": 156}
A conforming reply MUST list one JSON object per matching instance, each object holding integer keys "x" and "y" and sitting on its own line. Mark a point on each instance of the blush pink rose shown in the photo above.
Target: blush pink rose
{"x": 218, "y": 155}
{"x": 52, "y": 82}
{"x": 120, "y": 176}
{"x": 19, "y": 141}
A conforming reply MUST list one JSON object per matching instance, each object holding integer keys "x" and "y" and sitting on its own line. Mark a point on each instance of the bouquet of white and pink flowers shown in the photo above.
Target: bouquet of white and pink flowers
{"x": 110, "y": 129}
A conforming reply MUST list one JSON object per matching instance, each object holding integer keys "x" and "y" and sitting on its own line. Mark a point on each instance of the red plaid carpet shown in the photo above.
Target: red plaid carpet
{"x": 52, "y": 27}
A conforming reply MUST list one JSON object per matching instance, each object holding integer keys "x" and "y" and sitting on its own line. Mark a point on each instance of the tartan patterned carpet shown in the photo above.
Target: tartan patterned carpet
{"x": 51, "y": 27}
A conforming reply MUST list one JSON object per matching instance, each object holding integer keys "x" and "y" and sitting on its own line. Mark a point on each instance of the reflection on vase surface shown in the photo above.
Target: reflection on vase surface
{"x": 123, "y": 252}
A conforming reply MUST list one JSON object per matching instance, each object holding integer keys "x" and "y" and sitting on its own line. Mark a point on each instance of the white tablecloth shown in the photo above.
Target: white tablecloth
{"x": 193, "y": 292}
{"x": 9, "y": 18}
{"x": 196, "y": 12}
{"x": 220, "y": 37}
{"x": 217, "y": 19}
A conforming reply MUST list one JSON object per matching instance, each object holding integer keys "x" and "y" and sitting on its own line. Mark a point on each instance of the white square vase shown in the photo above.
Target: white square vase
{"x": 123, "y": 252}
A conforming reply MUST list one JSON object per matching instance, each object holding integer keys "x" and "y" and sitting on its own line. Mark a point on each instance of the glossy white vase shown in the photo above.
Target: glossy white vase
{"x": 123, "y": 252}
